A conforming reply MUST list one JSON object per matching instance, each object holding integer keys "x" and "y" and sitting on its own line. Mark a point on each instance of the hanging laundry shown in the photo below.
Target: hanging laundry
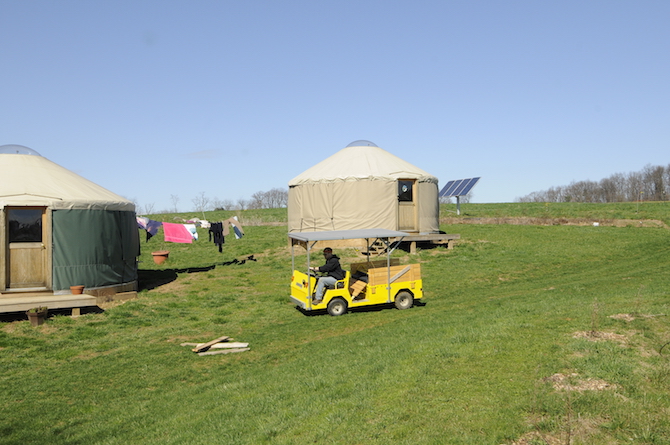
{"x": 177, "y": 233}
{"x": 197, "y": 221}
{"x": 149, "y": 225}
{"x": 142, "y": 222}
{"x": 216, "y": 232}
{"x": 152, "y": 228}
{"x": 237, "y": 227}
{"x": 191, "y": 228}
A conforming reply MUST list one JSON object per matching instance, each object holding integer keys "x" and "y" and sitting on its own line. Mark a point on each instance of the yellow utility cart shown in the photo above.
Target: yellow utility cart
{"x": 366, "y": 283}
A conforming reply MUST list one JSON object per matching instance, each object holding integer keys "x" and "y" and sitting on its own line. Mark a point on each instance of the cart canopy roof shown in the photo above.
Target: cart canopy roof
{"x": 346, "y": 234}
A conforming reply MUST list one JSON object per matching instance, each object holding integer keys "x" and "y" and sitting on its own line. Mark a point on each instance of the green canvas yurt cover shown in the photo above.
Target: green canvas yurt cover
{"x": 93, "y": 238}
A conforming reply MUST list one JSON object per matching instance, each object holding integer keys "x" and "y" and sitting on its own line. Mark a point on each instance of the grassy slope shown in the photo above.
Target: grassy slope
{"x": 468, "y": 367}
{"x": 623, "y": 210}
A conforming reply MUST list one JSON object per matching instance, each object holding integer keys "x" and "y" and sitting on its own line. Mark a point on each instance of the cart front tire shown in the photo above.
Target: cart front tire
{"x": 337, "y": 306}
{"x": 404, "y": 300}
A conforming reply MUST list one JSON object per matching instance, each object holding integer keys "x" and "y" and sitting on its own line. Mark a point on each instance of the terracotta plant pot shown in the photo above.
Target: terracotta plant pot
{"x": 160, "y": 256}
{"x": 37, "y": 318}
{"x": 76, "y": 290}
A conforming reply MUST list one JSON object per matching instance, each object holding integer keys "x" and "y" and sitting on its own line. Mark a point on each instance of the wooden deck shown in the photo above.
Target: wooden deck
{"x": 432, "y": 238}
{"x": 19, "y": 302}
{"x": 14, "y": 302}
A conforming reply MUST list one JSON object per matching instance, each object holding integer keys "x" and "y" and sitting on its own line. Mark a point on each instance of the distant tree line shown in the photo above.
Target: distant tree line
{"x": 650, "y": 184}
{"x": 271, "y": 199}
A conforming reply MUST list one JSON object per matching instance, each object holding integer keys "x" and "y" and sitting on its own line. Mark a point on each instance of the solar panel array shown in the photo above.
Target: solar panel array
{"x": 458, "y": 187}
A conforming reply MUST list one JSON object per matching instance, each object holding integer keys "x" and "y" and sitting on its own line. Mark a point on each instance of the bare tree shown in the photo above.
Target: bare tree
{"x": 200, "y": 202}
{"x": 222, "y": 204}
{"x": 272, "y": 199}
{"x": 257, "y": 200}
{"x": 217, "y": 204}
{"x": 554, "y": 194}
{"x": 583, "y": 191}
{"x": 634, "y": 187}
{"x": 666, "y": 180}
{"x": 149, "y": 208}
{"x": 275, "y": 198}
{"x": 175, "y": 200}
{"x": 652, "y": 183}
{"x": 242, "y": 204}
{"x": 613, "y": 188}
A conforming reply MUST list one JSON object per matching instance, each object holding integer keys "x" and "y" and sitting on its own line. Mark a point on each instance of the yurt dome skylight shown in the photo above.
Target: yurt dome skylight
{"x": 362, "y": 143}
{"x": 17, "y": 150}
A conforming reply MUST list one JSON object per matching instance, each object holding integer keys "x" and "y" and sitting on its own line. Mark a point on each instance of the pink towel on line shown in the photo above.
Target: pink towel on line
{"x": 177, "y": 233}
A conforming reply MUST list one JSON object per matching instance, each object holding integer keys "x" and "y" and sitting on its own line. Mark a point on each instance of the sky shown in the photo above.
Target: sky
{"x": 164, "y": 101}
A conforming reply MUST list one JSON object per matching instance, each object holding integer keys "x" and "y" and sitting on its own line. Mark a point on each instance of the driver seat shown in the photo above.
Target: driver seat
{"x": 343, "y": 283}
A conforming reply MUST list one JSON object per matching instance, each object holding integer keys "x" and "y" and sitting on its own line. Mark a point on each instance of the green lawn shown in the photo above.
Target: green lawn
{"x": 652, "y": 210}
{"x": 507, "y": 314}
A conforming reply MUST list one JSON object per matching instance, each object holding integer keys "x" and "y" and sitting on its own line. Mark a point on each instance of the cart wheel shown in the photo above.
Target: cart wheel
{"x": 404, "y": 300}
{"x": 337, "y": 306}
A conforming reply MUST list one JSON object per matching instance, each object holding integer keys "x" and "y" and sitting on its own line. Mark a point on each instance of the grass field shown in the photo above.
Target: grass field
{"x": 529, "y": 334}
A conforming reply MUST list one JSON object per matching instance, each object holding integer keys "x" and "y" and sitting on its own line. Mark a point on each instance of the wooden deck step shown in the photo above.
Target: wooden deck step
{"x": 21, "y": 302}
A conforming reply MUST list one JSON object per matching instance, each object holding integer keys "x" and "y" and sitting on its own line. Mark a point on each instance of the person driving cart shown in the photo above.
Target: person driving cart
{"x": 333, "y": 272}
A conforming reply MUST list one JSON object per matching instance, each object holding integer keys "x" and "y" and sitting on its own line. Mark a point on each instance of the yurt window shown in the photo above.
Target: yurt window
{"x": 405, "y": 191}
{"x": 25, "y": 225}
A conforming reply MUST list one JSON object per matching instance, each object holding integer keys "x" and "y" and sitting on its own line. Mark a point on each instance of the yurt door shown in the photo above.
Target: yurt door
{"x": 406, "y": 205}
{"x": 27, "y": 253}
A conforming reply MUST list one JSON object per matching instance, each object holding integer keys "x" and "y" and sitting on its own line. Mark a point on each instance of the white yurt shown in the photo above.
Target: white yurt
{"x": 363, "y": 186}
{"x": 58, "y": 229}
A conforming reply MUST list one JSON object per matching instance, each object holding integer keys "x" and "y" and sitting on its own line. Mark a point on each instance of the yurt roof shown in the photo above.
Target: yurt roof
{"x": 361, "y": 160}
{"x": 28, "y": 179}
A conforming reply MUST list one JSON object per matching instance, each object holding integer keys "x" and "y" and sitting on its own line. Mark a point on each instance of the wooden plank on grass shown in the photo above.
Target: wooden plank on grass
{"x": 223, "y": 351}
{"x": 209, "y": 343}
{"x": 226, "y": 345}
{"x": 231, "y": 345}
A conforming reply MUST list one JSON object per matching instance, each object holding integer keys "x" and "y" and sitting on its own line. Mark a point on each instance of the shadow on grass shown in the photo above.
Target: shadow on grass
{"x": 151, "y": 279}
{"x": 420, "y": 245}
{"x": 147, "y": 280}
{"x": 355, "y": 310}
{"x": 9, "y": 317}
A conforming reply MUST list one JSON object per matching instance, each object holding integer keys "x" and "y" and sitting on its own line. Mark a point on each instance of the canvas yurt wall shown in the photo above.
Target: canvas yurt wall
{"x": 363, "y": 186}
{"x": 59, "y": 229}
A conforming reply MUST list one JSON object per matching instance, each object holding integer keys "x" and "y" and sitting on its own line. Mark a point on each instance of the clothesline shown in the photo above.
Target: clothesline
{"x": 186, "y": 233}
